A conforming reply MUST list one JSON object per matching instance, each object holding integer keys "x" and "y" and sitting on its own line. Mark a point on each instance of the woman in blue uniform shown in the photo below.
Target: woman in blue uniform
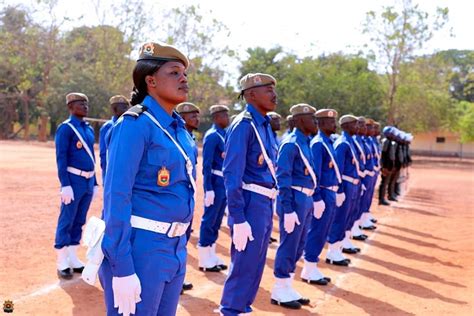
{"x": 148, "y": 192}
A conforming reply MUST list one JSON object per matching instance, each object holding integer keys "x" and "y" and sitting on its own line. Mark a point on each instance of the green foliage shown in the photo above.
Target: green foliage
{"x": 335, "y": 81}
{"x": 465, "y": 121}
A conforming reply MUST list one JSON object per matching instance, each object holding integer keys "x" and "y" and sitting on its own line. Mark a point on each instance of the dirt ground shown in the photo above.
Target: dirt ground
{"x": 419, "y": 260}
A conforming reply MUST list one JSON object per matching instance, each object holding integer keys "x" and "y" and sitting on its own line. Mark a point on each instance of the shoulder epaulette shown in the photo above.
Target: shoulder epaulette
{"x": 246, "y": 115}
{"x": 136, "y": 110}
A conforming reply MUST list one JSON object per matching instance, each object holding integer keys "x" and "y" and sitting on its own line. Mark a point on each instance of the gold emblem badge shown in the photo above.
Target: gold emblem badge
{"x": 331, "y": 165}
{"x": 260, "y": 160}
{"x": 306, "y": 171}
{"x": 163, "y": 177}
{"x": 78, "y": 144}
{"x": 223, "y": 155}
{"x": 8, "y": 306}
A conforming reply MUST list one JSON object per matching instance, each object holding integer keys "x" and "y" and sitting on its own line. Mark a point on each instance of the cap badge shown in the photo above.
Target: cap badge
{"x": 257, "y": 80}
{"x": 148, "y": 49}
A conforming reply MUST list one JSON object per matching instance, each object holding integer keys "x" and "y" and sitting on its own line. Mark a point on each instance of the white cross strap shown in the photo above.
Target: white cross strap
{"x": 307, "y": 165}
{"x": 270, "y": 165}
{"x": 86, "y": 147}
{"x": 336, "y": 168}
{"x": 189, "y": 165}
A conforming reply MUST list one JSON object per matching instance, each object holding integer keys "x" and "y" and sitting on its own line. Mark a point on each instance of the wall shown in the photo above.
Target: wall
{"x": 425, "y": 143}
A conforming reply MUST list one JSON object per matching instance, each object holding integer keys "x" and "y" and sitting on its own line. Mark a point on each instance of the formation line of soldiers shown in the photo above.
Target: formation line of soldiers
{"x": 319, "y": 184}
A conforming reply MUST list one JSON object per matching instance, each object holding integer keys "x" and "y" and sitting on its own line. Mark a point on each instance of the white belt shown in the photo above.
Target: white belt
{"x": 307, "y": 191}
{"x": 174, "y": 229}
{"x": 369, "y": 173}
{"x": 350, "y": 179}
{"x": 217, "y": 173}
{"x": 79, "y": 172}
{"x": 333, "y": 188}
{"x": 270, "y": 193}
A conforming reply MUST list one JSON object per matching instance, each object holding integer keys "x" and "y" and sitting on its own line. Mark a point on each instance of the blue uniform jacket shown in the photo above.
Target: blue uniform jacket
{"x": 69, "y": 150}
{"x": 344, "y": 147}
{"x": 369, "y": 156}
{"x": 291, "y": 169}
{"x": 361, "y": 155}
{"x": 243, "y": 161}
{"x": 212, "y": 154}
{"x": 323, "y": 165}
{"x": 138, "y": 152}
{"x": 104, "y": 138}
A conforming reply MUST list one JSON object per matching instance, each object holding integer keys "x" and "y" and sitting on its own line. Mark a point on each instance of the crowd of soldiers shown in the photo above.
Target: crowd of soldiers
{"x": 319, "y": 184}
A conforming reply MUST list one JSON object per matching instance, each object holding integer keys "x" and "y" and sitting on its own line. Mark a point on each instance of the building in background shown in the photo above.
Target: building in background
{"x": 441, "y": 143}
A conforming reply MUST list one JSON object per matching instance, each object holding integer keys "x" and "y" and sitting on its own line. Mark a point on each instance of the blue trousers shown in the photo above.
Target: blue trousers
{"x": 212, "y": 218}
{"x": 369, "y": 194}
{"x": 73, "y": 216}
{"x": 246, "y": 268}
{"x": 338, "y": 227}
{"x": 160, "y": 264}
{"x": 292, "y": 245}
{"x": 355, "y": 211}
{"x": 319, "y": 228}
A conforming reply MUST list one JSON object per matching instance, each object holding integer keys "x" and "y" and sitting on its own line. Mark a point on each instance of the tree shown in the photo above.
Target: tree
{"x": 398, "y": 32}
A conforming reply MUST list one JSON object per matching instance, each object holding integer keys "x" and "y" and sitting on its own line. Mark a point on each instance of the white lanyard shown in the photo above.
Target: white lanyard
{"x": 307, "y": 165}
{"x": 189, "y": 165}
{"x": 264, "y": 152}
{"x": 223, "y": 140}
{"x": 362, "y": 153}
{"x": 86, "y": 147}
{"x": 354, "y": 157}
{"x": 336, "y": 168}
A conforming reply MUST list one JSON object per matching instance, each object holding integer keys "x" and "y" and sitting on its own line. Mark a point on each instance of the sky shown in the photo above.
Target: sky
{"x": 305, "y": 28}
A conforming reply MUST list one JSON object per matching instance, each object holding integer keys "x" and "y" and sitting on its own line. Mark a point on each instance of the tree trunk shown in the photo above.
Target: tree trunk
{"x": 26, "y": 124}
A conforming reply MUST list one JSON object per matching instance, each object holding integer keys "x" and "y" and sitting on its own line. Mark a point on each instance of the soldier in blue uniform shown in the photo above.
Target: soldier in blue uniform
{"x": 349, "y": 171}
{"x": 149, "y": 190}
{"x": 76, "y": 162}
{"x": 361, "y": 154}
{"x": 276, "y": 126}
{"x": 371, "y": 176}
{"x": 119, "y": 105}
{"x": 191, "y": 115}
{"x": 296, "y": 183}
{"x": 326, "y": 196}
{"x": 290, "y": 125}
{"x": 250, "y": 182}
{"x": 215, "y": 200}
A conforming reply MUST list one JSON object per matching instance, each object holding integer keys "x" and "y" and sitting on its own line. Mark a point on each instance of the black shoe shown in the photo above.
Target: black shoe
{"x": 371, "y": 227}
{"x": 222, "y": 266}
{"x": 359, "y": 237}
{"x": 327, "y": 279}
{"x": 350, "y": 250}
{"x": 65, "y": 274}
{"x": 212, "y": 269}
{"x": 384, "y": 202}
{"x": 272, "y": 240}
{"x": 290, "y": 305}
{"x": 392, "y": 198}
{"x": 323, "y": 281}
{"x": 373, "y": 220}
{"x": 187, "y": 286}
{"x": 304, "y": 301}
{"x": 78, "y": 270}
{"x": 343, "y": 263}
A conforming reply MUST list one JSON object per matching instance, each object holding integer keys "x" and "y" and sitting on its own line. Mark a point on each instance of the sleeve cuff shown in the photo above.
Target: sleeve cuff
{"x": 239, "y": 218}
{"x": 123, "y": 267}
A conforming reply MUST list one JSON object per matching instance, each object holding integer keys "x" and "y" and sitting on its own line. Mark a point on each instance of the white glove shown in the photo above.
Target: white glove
{"x": 319, "y": 208}
{"x": 290, "y": 221}
{"x": 127, "y": 292}
{"x": 340, "y": 198}
{"x": 364, "y": 188}
{"x": 242, "y": 232}
{"x": 96, "y": 192}
{"x": 209, "y": 198}
{"x": 67, "y": 195}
